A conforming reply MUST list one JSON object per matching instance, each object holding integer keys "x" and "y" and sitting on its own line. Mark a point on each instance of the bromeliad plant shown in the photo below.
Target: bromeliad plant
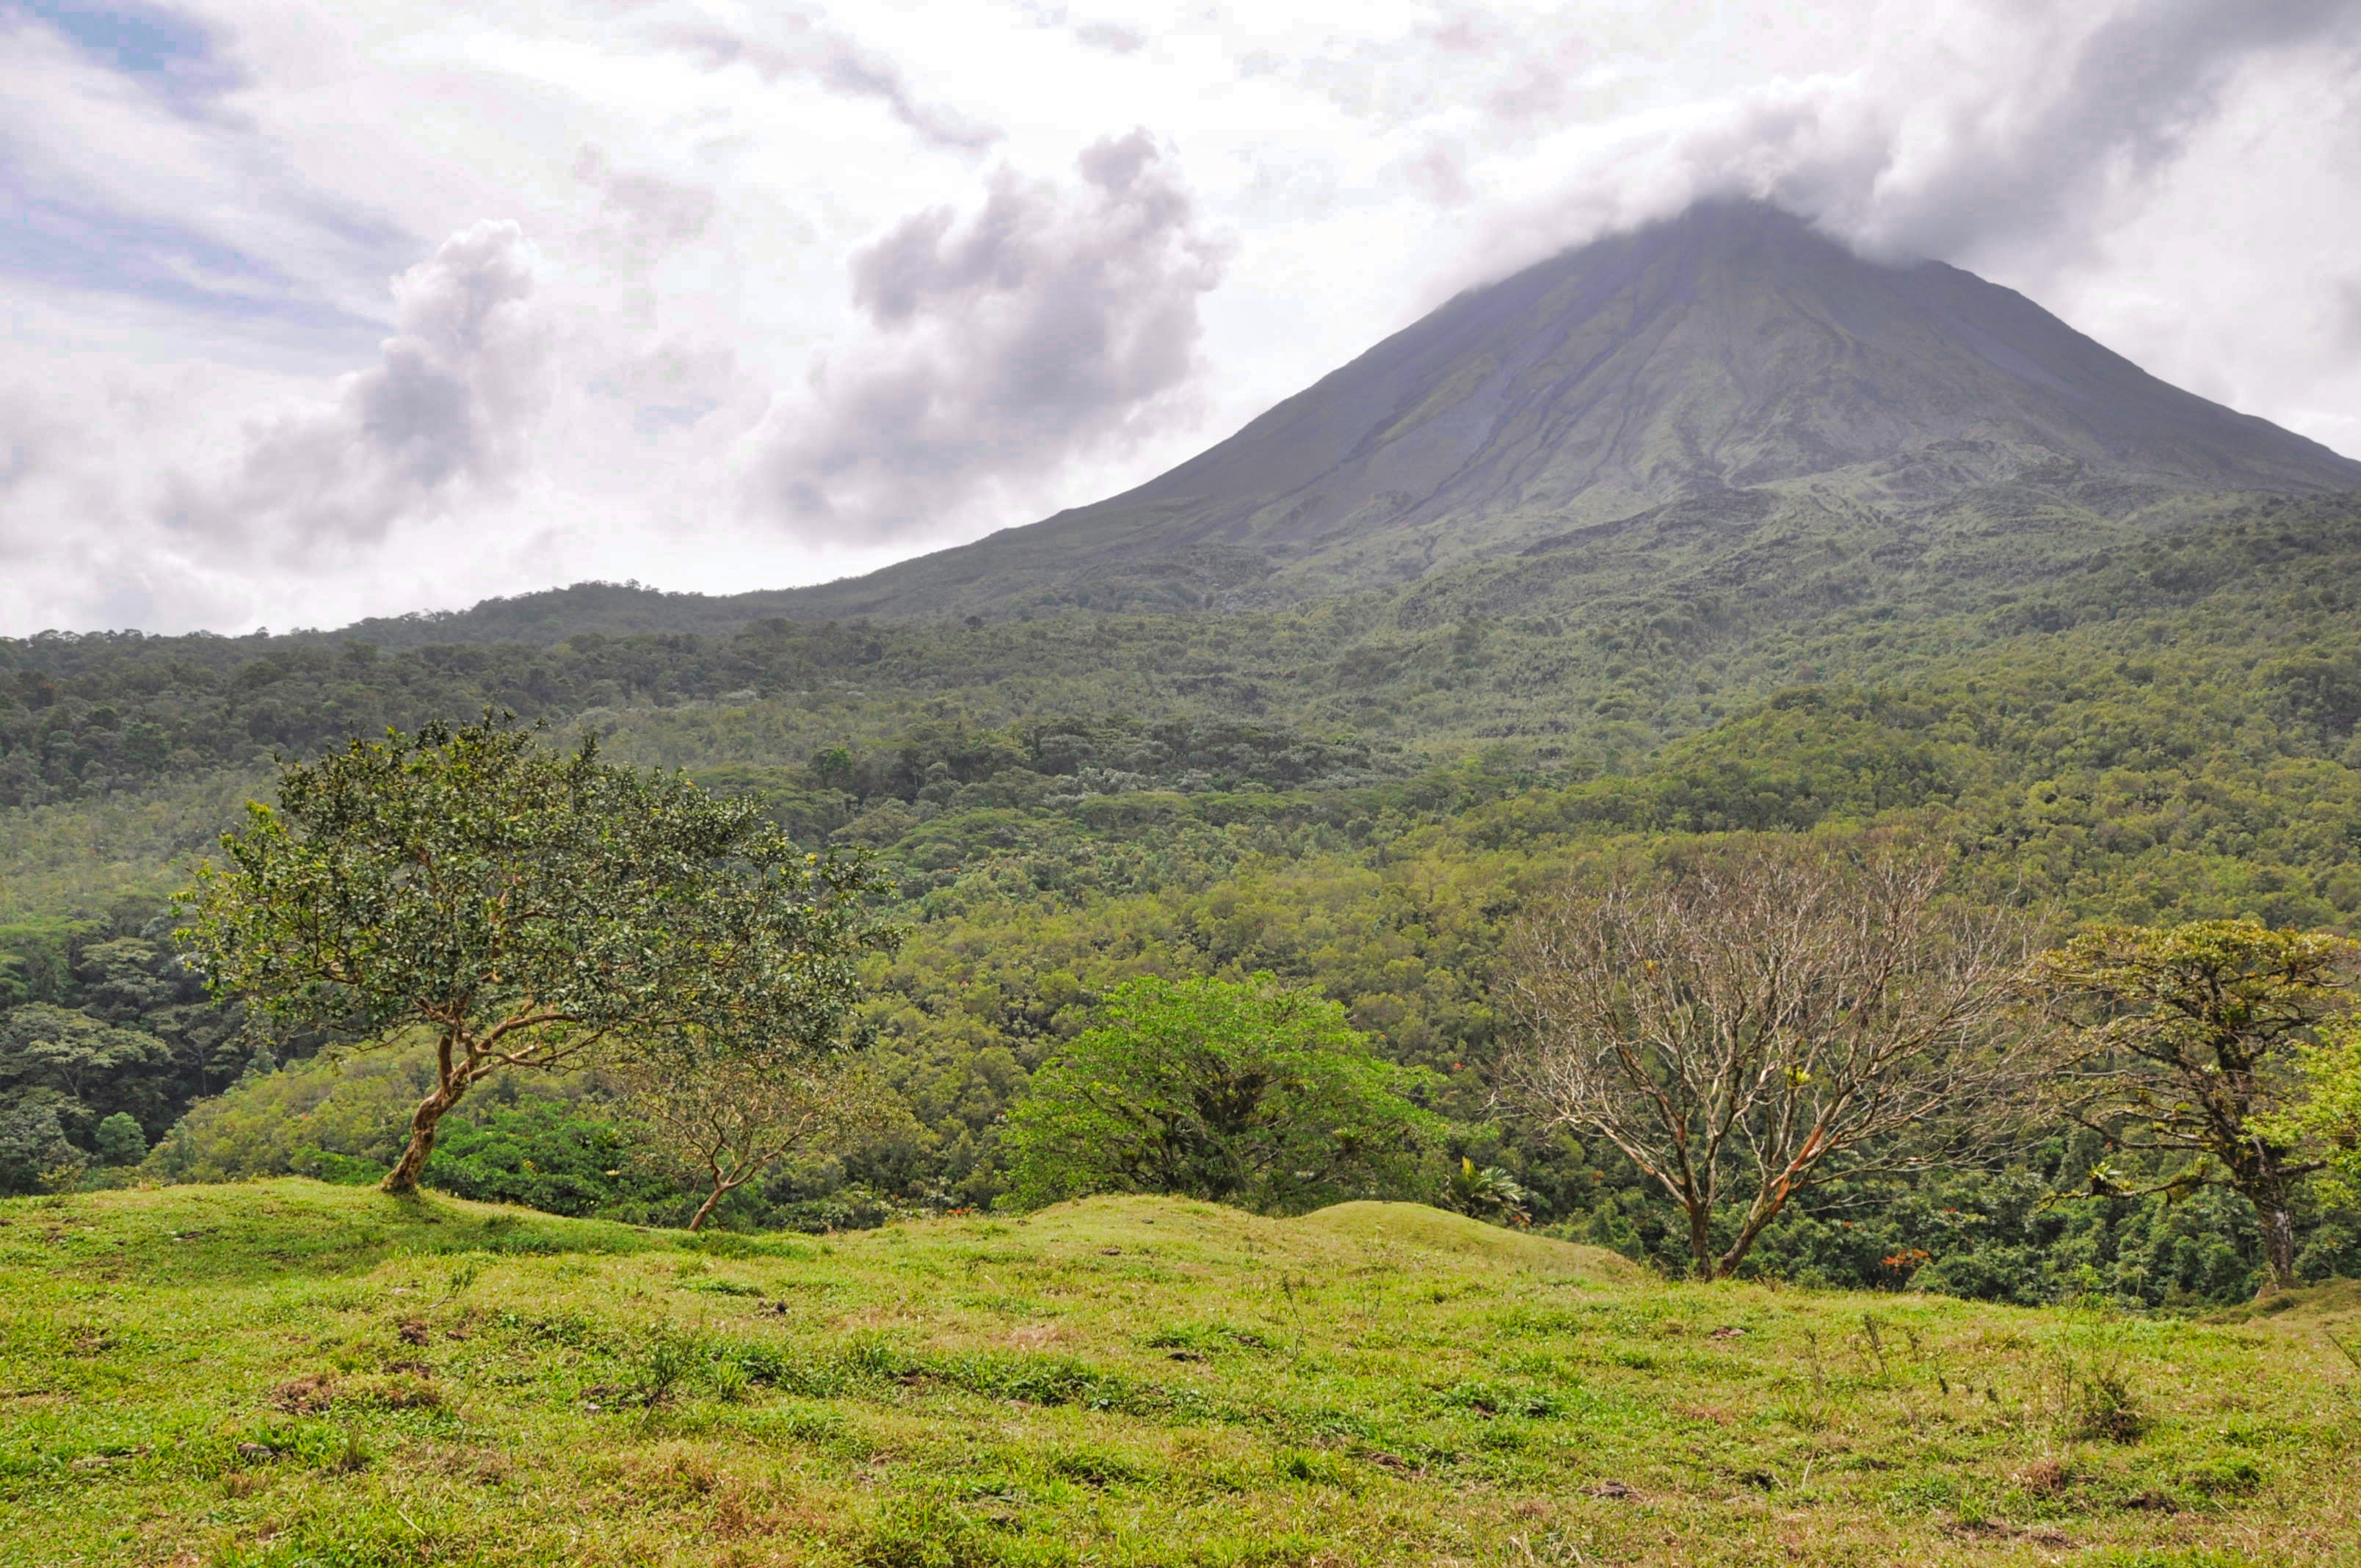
{"x": 529, "y": 908}
{"x": 1489, "y": 1193}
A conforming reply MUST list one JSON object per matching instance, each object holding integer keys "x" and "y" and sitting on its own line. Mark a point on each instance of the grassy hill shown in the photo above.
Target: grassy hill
{"x": 290, "y": 1374}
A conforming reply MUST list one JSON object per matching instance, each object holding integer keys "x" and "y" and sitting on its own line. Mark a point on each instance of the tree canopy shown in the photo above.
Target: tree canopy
{"x": 1750, "y": 1021}
{"x": 2188, "y": 1043}
{"x": 526, "y": 908}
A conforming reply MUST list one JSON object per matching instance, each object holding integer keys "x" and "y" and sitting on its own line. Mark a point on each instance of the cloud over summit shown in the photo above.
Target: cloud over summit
{"x": 1968, "y": 129}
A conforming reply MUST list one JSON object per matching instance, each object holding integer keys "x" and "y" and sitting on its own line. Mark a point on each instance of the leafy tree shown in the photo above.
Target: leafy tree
{"x": 128, "y": 979}
{"x": 1244, "y": 1092}
{"x": 120, "y": 1141}
{"x": 91, "y": 1070}
{"x": 720, "y": 1123}
{"x": 1754, "y": 1020}
{"x": 2328, "y": 1118}
{"x": 35, "y": 1155}
{"x": 2185, "y": 1043}
{"x": 526, "y": 909}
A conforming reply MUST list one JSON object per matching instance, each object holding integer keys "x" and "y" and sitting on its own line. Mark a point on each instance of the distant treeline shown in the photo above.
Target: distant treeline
{"x": 1573, "y": 656}
{"x": 82, "y": 717}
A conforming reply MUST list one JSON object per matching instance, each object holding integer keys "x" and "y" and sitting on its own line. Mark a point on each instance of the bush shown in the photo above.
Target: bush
{"x": 1239, "y": 1092}
{"x": 34, "y": 1154}
{"x": 120, "y": 1140}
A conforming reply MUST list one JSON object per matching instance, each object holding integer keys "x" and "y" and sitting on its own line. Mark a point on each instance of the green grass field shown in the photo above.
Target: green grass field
{"x": 293, "y": 1374}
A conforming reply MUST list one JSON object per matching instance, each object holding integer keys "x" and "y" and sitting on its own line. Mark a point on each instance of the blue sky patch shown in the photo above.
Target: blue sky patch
{"x": 113, "y": 252}
{"x": 171, "y": 53}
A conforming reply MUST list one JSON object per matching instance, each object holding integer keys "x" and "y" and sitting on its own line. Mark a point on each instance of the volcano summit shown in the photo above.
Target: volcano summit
{"x": 1732, "y": 349}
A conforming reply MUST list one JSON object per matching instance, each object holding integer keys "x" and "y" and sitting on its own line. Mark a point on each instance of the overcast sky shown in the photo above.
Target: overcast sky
{"x": 321, "y": 310}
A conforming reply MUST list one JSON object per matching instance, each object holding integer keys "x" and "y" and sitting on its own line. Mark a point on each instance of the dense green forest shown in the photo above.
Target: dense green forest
{"x": 2149, "y": 722}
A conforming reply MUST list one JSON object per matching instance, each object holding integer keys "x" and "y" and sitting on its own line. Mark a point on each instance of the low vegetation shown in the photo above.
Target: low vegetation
{"x": 287, "y": 1373}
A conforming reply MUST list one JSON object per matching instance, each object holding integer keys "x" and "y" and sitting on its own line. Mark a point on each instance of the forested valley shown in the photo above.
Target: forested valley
{"x": 2146, "y": 720}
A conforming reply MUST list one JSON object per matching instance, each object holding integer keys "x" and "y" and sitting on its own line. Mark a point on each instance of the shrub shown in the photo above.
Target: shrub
{"x": 1240, "y": 1092}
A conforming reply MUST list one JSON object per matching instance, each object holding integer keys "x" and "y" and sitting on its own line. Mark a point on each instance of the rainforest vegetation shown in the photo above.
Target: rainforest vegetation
{"x": 1356, "y": 798}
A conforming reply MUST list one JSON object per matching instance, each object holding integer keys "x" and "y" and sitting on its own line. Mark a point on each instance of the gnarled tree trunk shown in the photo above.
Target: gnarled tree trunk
{"x": 451, "y": 1080}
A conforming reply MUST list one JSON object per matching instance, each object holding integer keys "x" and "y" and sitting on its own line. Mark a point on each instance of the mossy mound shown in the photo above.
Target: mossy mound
{"x": 1417, "y": 1227}
{"x": 1345, "y": 1235}
{"x": 2330, "y": 1300}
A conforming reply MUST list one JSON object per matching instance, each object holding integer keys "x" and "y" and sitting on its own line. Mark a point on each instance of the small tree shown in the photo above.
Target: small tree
{"x": 2185, "y": 1039}
{"x": 527, "y": 909}
{"x": 722, "y": 1123}
{"x": 121, "y": 1140}
{"x": 1240, "y": 1092}
{"x": 35, "y": 1154}
{"x": 1749, "y": 1022}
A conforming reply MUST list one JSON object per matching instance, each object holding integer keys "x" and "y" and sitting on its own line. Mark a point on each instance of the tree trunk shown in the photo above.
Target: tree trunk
{"x": 1701, "y": 1237}
{"x": 1749, "y": 1232}
{"x": 2278, "y": 1249}
{"x": 2262, "y": 1181}
{"x": 402, "y": 1179}
{"x": 705, "y": 1210}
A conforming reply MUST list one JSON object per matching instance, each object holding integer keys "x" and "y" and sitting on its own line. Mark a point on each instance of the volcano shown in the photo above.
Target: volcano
{"x": 1732, "y": 349}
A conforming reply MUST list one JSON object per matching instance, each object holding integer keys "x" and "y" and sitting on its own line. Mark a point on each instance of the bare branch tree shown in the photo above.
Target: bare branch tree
{"x": 1747, "y": 1021}
{"x": 733, "y": 1118}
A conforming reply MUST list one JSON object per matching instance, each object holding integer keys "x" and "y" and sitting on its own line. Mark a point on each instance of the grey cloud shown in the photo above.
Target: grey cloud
{"x": 2135, "y": 89}
{"x": 658, "y": 213}
{"x": 1503, "y": 79}
{"x": 2013, "y": 130}
{"x": 1052, "y": 323}
{"x": 1528, "y": 80}
{"x": 795, "y": 44}
{"x": 453, "y": 398}
{"x": 34, "y": 438}
{"x": 1115, "y": 37}
{"x": 1440, "y": 174}
{"x": 2347, "y": 329}
{"x": 1099, "y": 33}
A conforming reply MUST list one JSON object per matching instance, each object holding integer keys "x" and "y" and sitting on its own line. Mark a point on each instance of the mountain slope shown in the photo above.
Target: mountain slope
{"x": 1730, "y": 348}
